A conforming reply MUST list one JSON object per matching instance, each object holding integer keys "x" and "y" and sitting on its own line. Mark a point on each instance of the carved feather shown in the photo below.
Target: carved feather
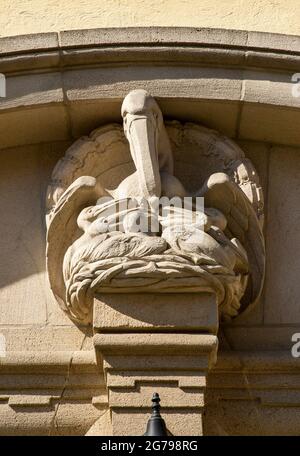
{"x": 83, "y": 192}
{"x": 221, "y": 193}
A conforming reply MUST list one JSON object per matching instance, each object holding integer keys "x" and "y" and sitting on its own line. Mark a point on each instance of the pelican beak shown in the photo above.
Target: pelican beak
{"x": 141, "y": 130}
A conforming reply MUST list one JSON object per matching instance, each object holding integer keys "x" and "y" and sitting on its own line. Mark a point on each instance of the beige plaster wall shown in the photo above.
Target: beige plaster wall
{"x": 35, "y": 16}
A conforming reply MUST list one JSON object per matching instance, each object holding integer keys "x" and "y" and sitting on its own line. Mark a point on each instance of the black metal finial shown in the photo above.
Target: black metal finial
{"x": 156, "y": 425}
{"x": 155, "y": 404}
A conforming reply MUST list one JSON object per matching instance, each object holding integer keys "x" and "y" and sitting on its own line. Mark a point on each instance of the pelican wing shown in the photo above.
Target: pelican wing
{"x": 63, "y": 230}
{"x": 242, "y": 223}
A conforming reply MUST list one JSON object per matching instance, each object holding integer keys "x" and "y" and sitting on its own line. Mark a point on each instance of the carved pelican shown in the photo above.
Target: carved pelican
{"x": 150, "y": 150}
{"x": 238, "y": 228}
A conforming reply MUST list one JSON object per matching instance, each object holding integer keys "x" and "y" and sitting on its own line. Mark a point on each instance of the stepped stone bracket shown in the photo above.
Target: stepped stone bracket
{"x": 171, "y": 358}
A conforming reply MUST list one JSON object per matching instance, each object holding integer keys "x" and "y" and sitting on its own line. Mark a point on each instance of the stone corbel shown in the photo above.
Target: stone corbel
{"x": 155, "y": 297}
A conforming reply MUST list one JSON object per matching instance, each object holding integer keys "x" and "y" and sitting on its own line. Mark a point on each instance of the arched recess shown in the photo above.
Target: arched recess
{"x": 60, "y": 86}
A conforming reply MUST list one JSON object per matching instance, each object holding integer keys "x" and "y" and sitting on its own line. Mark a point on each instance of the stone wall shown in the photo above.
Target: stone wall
{"x": 62, "y": 87}
{"x": 27, "y": 304}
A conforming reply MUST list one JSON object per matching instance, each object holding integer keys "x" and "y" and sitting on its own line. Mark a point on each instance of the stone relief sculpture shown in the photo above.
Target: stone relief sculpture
{"x": 109, "y": 184}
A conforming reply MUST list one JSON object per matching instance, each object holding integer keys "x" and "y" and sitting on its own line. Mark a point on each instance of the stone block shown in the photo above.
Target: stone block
{"x": 39, "y": 338}
{"x": 180, "y": 423}
{"x": 161, "y": 312}
{"x": 151, "y": 35}
{"x": 161, "y": 343}
{"x": 275, "y": 41}
{"x": 23, "y": 43}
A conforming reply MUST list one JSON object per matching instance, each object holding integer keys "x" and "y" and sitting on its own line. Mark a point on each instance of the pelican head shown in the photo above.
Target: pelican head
{"x": 148, "y": 140}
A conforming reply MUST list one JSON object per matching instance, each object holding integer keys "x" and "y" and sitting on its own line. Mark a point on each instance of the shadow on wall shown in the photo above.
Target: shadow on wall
{"x": 25, "y": 295}
{"x": 24, "y": 176}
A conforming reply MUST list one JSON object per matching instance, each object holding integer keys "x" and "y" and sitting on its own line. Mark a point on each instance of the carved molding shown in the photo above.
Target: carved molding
{"x": 57, "y": 393}
{"x": 196, "y": 46}
{"x": 251, "y": 387}
{"x": 70, "y": 83}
